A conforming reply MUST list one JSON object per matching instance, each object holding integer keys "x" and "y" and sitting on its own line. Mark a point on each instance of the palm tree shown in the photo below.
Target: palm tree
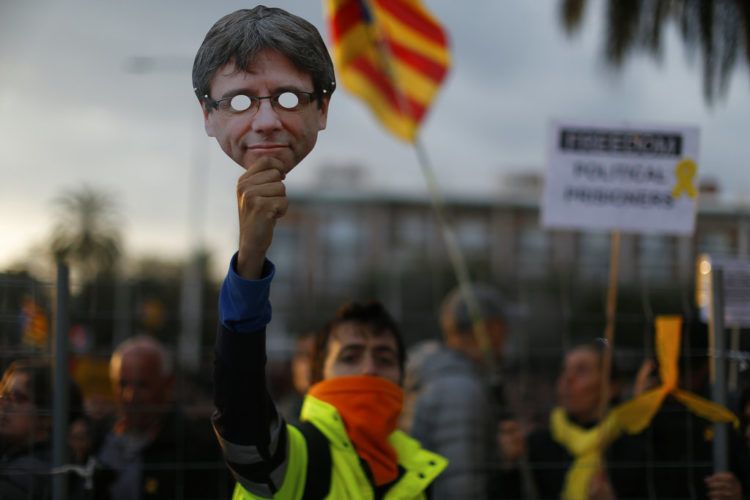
{"x": 87, "y": 232}
{"x": 720, "y": 29}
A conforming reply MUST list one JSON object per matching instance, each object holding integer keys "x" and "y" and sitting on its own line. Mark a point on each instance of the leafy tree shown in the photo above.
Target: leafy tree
{"x": 87, "y": 236}
{"x": 87, "y": 233}
{"x": 720, "y": 29}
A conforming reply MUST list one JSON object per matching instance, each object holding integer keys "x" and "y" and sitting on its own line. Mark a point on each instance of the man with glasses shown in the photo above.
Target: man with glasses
{"x": 264, "y": 80}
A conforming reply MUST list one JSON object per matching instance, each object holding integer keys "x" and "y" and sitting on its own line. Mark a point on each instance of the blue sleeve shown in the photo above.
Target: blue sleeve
{"x": 250, "y": 431}
{"x": 243, "y": 304}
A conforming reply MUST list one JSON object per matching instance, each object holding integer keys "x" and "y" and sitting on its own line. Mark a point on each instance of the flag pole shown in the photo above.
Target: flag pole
{"x": 461, "y": 271}
{"x": 609, "y": 340}
{"x": 609, "y": 331}
{"x": 455, "y": 255}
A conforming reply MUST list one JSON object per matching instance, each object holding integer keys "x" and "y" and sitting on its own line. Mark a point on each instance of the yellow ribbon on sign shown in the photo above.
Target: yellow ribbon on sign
{"x": 636, "y": 414}
{"x": 685, "y": 172}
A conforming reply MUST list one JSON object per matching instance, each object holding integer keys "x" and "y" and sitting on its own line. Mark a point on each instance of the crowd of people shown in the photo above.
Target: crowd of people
{"x": 443, "y": 395}
{"x": 147, "y": 448}
{"x": 363, "y": 421}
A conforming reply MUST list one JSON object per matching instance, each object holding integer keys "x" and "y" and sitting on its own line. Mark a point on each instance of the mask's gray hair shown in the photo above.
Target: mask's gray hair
{"x": 239, "y": 37}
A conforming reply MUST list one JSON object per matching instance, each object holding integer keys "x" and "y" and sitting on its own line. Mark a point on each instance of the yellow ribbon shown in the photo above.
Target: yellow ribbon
{"x": 685, "y": 172}
{"x": 586, "y": 447}
{"x": 636, "y": 414}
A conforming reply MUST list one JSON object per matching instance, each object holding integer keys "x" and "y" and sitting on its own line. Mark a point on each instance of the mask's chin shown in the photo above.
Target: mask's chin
{"x": 282, "y": 155}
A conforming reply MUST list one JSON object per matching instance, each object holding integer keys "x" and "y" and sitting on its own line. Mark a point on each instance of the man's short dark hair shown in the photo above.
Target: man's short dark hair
{"x": 372, "y": 314}
{"x": 239, "y": 37}
{"x": 489, "y": 300}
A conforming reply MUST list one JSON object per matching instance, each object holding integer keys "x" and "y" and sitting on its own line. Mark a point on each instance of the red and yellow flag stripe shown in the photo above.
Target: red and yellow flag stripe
{"x": 391, "y": 53}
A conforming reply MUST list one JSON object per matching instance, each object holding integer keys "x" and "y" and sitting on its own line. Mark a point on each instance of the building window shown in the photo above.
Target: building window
{"x": 533, "y": 254}
{"x": 715, "y": 243}
{"x": 342, "y": 237}
{"x": 593, "y": 260}
{"x": 410, "y": 231}
{"x": 473, "y": 235}
{"x": 656, "y": 257}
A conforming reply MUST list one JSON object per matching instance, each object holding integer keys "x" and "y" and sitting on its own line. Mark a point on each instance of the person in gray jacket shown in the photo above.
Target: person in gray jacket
{"x": 458, "y": 407}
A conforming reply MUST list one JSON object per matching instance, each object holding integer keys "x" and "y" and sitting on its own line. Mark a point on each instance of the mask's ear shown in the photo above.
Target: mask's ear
{"x": 323, "y": 114}
{"x": 208, "y": 120}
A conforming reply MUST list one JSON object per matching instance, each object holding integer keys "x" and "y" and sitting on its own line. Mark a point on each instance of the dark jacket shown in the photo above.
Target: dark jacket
{"x": 549, "y": 462}
{"x": 25, "y": 474}
{"x": 680, "y": 453}
{"x": 183, "y": 462}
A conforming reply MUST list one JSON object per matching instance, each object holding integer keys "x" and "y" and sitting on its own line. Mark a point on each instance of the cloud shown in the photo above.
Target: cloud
{"x": 72, "y": 112}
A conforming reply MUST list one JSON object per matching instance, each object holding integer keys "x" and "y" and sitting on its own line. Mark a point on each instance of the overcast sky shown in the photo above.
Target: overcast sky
{"x": 72, "y": 111}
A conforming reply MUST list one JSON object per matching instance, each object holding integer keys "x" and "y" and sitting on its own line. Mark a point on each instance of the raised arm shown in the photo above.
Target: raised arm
{"x": 249, "y": 429}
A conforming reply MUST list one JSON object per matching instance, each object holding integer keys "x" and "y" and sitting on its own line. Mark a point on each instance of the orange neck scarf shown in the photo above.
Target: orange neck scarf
{"x": 370, "y": 407}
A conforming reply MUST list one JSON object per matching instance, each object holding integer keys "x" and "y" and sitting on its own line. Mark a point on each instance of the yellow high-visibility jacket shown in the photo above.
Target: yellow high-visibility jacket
{"x": 348, "y": 479}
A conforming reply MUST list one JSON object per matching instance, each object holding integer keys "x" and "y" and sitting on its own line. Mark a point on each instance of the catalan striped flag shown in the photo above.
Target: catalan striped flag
{"x": 34, "y": 323}
{"x": 391, "y": 53}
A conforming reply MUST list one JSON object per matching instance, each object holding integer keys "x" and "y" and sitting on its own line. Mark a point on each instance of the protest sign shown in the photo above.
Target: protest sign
{"x": 631, "y": 178}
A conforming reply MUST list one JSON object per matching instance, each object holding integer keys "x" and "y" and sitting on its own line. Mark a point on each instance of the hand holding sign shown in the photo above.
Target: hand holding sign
{"x": 261, "y": 200}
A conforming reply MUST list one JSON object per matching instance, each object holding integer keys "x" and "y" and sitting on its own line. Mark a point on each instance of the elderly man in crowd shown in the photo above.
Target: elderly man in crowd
{"x": 153, "y": 450}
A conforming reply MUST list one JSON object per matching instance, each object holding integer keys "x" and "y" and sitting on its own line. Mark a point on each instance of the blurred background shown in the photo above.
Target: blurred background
{"x": 105, "y": 164}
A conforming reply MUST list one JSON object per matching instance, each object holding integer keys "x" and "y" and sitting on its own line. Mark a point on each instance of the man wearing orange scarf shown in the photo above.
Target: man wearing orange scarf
{"x": 354, "y": 405}
{"x": 263, "y": 78}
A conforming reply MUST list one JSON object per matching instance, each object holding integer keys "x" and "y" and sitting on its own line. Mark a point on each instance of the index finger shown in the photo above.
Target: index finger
{"x": 267, "y": 163}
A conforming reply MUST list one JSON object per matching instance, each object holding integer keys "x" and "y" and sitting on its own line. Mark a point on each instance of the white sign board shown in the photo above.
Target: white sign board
{"x": 736, "y": 290}
{"x": 632, "y": 178}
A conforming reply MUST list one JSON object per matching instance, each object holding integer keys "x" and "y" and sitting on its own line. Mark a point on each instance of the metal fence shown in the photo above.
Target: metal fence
{"x": 549, "y": 314}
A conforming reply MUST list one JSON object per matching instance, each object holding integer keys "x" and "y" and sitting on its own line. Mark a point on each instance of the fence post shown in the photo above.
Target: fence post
{"x": 60, "y": 399}
{"x": 717, "y": 345}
